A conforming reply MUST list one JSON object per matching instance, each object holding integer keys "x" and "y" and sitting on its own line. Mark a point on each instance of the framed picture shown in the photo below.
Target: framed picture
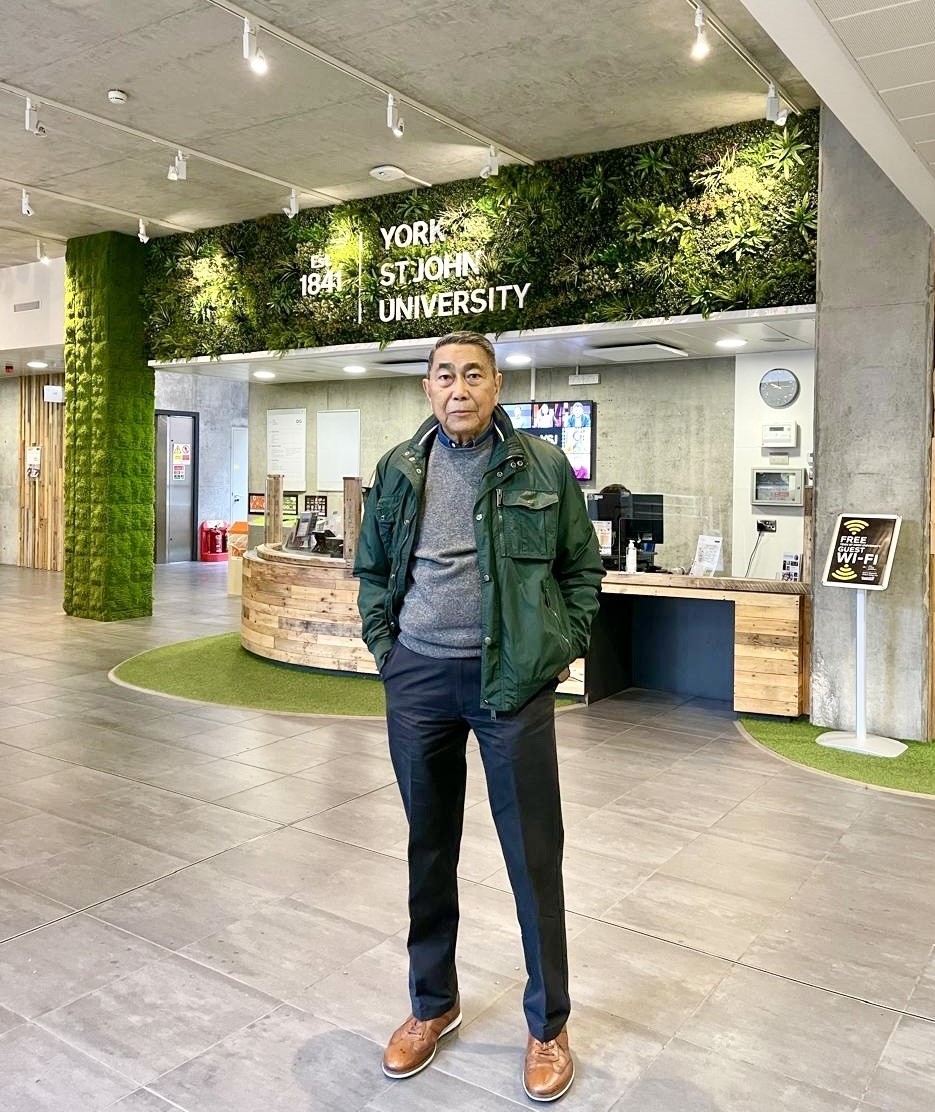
{"x": 256, "y": 503}
{"x": 316, "y": 504}
{"x": 290, "y": 505}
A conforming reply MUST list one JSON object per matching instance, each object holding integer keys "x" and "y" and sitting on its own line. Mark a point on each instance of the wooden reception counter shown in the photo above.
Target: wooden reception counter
{"x": 653, "y": 630}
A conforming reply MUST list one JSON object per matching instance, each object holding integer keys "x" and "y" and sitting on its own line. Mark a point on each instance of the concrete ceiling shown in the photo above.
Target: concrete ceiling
{"x": 538, "y": 80}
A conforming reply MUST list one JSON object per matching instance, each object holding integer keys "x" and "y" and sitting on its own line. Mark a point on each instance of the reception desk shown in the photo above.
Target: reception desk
{"x": 741, "y": 640}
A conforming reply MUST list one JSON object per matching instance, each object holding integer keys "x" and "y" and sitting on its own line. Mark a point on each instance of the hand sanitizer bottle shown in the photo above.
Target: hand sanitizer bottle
{"x": 631, "y": 558}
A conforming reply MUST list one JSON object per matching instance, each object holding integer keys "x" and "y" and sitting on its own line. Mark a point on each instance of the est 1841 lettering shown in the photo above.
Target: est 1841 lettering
{"x": 328, "y": 281}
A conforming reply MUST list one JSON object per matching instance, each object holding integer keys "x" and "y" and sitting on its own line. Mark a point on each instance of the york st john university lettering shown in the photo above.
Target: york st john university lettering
{"x": 441, "y": 265}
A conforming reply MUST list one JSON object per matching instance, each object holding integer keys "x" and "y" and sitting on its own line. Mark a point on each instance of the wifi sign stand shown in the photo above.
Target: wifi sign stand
{"x": 860, "y": 557}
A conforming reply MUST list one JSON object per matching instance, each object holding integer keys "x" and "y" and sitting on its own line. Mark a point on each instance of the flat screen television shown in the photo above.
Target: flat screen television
{"x": 568, "y": 425}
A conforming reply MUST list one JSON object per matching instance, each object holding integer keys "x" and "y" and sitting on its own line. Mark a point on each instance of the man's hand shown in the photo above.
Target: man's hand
{"x": 564, "y": 674}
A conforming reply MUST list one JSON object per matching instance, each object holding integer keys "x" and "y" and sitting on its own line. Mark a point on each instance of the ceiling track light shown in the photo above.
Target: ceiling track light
{"x": 142, "y": 235}
{"x": 701, "y": 48}
{"x": 178, "y": 167}
{"x": 292, "y": 207}
{"x": 24, "y": 206}
{"x": 394, "y": 121}
{"x": 776, "y": 112}
{"x": 32, "y": 123}
{"x": 253, "y": 56}
{"x": 41, "y": 253}
{"x": 491, "y": 167}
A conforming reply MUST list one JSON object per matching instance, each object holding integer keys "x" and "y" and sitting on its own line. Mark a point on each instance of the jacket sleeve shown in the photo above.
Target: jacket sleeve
{"x": 577, "y": 569}
{"x": 372, "y": 568}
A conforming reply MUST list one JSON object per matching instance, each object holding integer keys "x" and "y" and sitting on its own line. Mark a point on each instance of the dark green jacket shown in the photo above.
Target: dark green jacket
{"x": 537, "y": 552}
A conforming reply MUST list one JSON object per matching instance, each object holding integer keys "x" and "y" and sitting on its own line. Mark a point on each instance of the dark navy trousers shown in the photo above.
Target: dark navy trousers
{"x": 431, "y": 706}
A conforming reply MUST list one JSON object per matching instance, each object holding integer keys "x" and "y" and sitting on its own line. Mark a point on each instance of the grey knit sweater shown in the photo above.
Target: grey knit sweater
{"x": 441, "y": 613}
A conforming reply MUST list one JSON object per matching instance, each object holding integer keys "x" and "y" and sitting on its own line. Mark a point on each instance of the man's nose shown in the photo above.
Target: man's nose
{"x": 460, "y": 387}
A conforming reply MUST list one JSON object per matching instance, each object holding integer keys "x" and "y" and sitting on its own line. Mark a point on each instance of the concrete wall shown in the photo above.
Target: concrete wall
{"x": 873, "y": 432}
{"x": 660, "y": 427}
{"x": 220, "y": 405}
{"x": 9, "y": 470}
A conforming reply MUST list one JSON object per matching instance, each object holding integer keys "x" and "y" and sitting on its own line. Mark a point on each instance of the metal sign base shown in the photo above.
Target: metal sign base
{"x": 871, "y": 745}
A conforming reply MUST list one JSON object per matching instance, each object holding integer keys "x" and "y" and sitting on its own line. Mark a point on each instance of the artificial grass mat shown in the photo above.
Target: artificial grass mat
{"x": 219, "y": 670}
{"x": 912, "y": 771}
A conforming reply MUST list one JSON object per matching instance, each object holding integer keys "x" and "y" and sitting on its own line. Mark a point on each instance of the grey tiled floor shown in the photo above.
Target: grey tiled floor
{"x": 204, "y": 909}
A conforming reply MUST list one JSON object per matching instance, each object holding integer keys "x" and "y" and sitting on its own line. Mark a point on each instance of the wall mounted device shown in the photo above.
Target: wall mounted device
{"x": 777, "y": 486}
{"x": 784, "y": 435}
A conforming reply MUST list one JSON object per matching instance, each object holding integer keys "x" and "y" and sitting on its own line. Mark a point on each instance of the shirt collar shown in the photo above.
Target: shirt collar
{"x": 484, "y": 436}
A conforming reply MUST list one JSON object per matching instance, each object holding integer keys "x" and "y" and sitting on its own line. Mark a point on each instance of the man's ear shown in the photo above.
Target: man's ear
{"x": 425, "y": 388}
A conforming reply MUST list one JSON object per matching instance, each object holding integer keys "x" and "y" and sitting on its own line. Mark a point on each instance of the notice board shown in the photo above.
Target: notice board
{"x": 338, "y": 447}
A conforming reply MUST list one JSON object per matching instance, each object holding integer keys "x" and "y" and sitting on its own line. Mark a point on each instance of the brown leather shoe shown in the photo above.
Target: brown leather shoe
{"x": 412, "y": 1046}
{"x": 549, "y": 1069}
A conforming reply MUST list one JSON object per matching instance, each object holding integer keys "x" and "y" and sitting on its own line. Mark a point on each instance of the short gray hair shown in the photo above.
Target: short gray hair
{"x": 475, "y": 338}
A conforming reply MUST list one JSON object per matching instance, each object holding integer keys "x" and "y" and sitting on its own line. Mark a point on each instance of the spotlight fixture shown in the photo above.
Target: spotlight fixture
{"x": 178, "y": 167}
{"x": 36, "y": 364}
{"x": 142, "y": 234}
{"x": 40, "y": 253}
{"x": 492, "y": 166}
{"x": 292, "y": 206}
{"x": 518, "y": 360}
{"x": 701, "y": 47}
{"x": 782, "y": 117}
{"x": 394, "y": 121}
{"x": 253, "y": 56}
{"x": 264, "y": 376}
{"x": 730, "y": 343}
{"x": 24, "y": 206}
{"x": 355, "y": 369}
{"x": 117, "y": 96}
{"x": 772, "y": 103}
{"x": 32, "y": 122}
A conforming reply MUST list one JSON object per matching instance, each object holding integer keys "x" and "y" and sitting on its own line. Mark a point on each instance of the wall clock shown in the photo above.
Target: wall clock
{"x": 779, "y": 388}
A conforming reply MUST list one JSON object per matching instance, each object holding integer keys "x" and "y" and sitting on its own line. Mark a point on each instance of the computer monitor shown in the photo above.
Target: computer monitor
{"x": 643, "y": 523}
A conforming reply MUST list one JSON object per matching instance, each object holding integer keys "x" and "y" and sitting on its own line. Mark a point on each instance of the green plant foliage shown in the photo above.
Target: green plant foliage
{"x": 109, "y": 398}
{"x": 720, "y": 220}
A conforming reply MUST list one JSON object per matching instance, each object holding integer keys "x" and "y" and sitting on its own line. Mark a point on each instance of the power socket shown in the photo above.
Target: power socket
{"x": 766, "y": 525}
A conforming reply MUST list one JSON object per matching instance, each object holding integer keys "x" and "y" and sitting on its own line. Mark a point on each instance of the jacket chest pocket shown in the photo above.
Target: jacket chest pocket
{"x": 387, "y": 512}
{"x": 530, "y": 523}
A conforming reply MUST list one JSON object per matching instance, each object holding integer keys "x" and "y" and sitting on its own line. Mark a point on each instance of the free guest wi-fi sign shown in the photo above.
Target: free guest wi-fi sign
{"x": 862, "y": 551}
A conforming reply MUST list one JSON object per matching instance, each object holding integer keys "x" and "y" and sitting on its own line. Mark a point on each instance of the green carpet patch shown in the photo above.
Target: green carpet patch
{"x": 219, "y": 670}
{"x": 913, "y": 771}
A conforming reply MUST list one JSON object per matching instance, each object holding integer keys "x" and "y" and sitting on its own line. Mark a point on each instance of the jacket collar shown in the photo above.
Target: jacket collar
{"x": 506, "y": 441}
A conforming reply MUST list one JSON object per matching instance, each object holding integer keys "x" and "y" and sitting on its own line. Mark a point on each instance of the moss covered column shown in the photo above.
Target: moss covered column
{"x": 109, "y": 400}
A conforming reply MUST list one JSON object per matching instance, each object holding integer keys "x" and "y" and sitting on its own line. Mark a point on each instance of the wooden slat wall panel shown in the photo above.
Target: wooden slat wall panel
{"x": 768, "y": 657}
{"x": 41, "y": 501}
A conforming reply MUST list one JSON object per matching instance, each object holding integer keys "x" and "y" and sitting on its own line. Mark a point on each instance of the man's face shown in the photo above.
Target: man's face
{"x": 577, "y": 409}
{"x": 462, "y": 387}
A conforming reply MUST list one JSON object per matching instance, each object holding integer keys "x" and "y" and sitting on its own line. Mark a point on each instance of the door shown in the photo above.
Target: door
{"x": 176, "y": 484}
{"x": 238, "y": 474}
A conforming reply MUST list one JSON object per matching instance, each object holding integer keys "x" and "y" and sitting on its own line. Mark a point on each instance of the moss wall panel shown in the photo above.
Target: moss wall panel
{"x": 725, "y": 219}
{"x": 109, "y": 458}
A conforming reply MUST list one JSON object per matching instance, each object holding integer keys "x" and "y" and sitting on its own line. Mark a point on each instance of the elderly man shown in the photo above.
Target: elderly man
{"x": 479, "y": 578}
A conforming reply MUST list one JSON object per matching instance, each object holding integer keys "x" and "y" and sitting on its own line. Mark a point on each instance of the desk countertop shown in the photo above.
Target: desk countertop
{"x": 658, "y": 583}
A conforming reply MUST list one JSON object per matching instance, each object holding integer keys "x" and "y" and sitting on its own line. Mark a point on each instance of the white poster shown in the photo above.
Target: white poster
{"x": 338, "y": 447}
{"x": 285, "y": 446}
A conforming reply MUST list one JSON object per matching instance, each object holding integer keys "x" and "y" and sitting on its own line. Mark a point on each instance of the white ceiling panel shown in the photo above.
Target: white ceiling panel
{"x": 887, "y": 28}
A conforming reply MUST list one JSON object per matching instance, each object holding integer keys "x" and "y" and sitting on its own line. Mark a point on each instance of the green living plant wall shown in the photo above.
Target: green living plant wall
{"x": 109, "y": 398}
{"x": 721, "y": 220}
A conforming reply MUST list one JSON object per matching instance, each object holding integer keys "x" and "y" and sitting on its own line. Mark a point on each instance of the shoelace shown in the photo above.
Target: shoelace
{"x": 547, "y": 1050}
{"x": 416, "y": 1027}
